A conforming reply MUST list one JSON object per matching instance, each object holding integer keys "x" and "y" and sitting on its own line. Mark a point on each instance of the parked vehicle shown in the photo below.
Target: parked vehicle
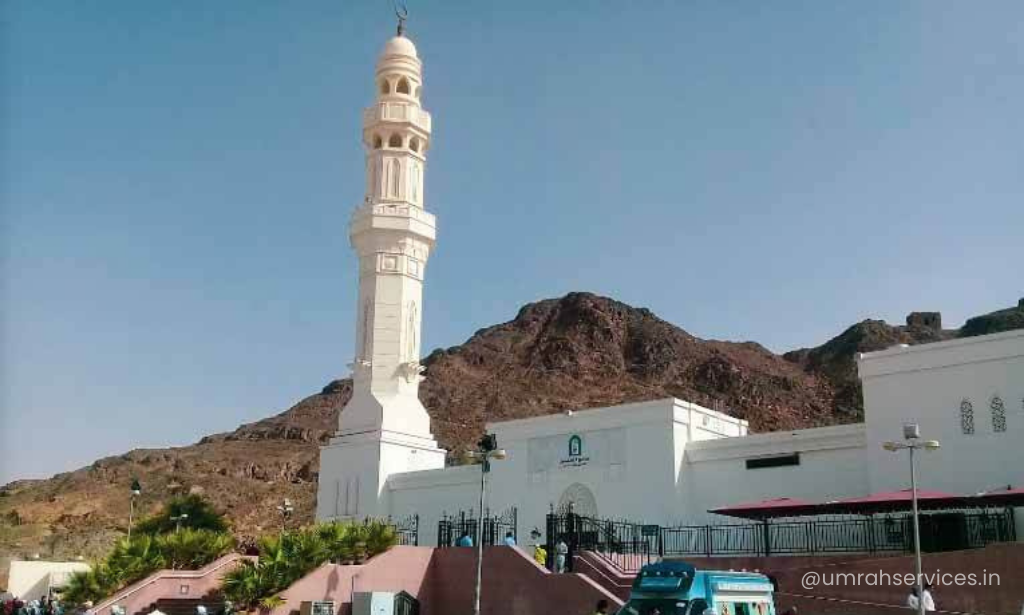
{"x": 678, "y": 588}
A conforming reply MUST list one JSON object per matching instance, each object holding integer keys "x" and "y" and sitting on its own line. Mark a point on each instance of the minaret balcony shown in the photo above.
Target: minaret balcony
{"x": 400, "y": 217}
{"x": 397, "y": 112}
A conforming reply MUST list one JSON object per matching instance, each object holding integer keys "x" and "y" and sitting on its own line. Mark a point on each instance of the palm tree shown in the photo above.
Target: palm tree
{"x": 192, "y": 549}
{"x": 287, "y": 557}
{"x": 200, "y": 515}
{"x": 252, "y": 585}
{"x": 88, "y": 585}
{"x": 380, "y": 537}
{"x": 133, "y": 559}
{"x": 335, "y": 536}
{"x": 306, "y": 550}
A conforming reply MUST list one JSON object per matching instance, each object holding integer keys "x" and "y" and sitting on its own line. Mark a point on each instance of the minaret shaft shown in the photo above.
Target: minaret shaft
{"x": 392, "y": 235}
{"x": 384, "y": 428}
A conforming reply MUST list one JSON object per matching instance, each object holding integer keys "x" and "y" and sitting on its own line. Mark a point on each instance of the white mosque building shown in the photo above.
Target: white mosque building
{"x": 661, "y": 462}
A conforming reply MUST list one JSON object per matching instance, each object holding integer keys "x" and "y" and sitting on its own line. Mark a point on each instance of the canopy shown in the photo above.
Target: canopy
{"x": 773, "y": 507}
{"x": 887, "y": 501}
{"x": 881, "y": 502}
{"x": 1002, "y": 497}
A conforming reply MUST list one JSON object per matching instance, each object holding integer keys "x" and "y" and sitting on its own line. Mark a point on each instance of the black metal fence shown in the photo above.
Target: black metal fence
{"x": 495, "y": 527}
{"x": 629, "y": 545}
{"x": 408, "y": 530}
{"x": 625, "y": 544}
{"x": 406, "y": 604}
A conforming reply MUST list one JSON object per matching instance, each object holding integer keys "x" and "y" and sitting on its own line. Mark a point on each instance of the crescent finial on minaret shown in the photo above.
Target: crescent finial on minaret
{"x": 402, "y": 13}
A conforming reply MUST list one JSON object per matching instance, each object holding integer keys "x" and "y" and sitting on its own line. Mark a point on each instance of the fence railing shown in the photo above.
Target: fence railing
{"x": 494, "y": 529}
{"x": 628, "y": 545}
{"x": 408, "y": 530}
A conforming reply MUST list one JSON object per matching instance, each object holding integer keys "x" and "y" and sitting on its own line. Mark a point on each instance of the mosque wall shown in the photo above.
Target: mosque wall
{"x": 819, "y": 464}
{"x": 431, "y": 494}
{"x": 618, "y": 462}
{"x": 966, "y": 393}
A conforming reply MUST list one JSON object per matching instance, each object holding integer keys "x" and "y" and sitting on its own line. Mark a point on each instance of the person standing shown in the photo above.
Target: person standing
{"x": 540, "y": 555}
{"x": 913, "y": 601}
{"x": 464, "y": 540}
{"x": 561, "y": 555}
{"x": 927, "y": 599}
{"x": 510, "y": 540}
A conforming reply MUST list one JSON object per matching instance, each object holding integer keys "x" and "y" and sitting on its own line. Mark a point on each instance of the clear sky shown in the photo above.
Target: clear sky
{"x": 177, "y": 178}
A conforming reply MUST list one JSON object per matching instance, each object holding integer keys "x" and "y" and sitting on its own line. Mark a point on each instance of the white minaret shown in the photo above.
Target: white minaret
{"x": 385, "y": 429}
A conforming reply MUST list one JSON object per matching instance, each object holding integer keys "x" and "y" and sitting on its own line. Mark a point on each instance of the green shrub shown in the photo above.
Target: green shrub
{"x": 157, "y": 545}
{"x": 201, "y": 516}
{"x": 286, "y": 558}
{"x": 192, "y": 549}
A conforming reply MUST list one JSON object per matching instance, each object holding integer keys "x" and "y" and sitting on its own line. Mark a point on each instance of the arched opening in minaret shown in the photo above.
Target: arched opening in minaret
{"x": 414, "y": 144}
{"x": 419, "y": 89}
{"x": 403, "y": 86}
{"x": 385, "y": 87}
{"x": 395, "y": 141}
{"x": 378, "y": 142}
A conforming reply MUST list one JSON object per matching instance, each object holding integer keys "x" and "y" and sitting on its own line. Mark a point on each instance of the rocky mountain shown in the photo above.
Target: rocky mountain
{"x": 579, "y": 351}
{"x": 835, "y": 360}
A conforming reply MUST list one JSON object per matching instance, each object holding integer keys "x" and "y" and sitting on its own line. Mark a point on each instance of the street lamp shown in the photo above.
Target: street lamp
{"x": 488, "y": 450}
{"x": 136, "y": 491}
{"x": 286, "y": 509}
{"x": 178, "y": 519}
{"x": 912, "y": 442}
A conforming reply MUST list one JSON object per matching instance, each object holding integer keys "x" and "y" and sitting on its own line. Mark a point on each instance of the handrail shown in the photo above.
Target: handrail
{"x": 169, "y": 573}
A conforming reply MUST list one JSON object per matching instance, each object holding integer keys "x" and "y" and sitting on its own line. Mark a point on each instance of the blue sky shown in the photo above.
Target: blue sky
{"x": 177, "y": 177}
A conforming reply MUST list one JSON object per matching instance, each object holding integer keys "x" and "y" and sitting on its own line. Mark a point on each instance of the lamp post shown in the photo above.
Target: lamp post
{"x": 286, "y": 509}
{"x": 912, "y": 442}
{"x": 136, "y": 491}
{"x": 177, "y": 521}
{"x": 488, "y": 450}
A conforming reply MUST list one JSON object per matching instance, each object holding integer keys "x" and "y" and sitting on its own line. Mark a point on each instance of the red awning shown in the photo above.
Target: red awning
{"x": 885, "y": 501}
{"x": 1001, "y": 497}
{"x": 881, "y": 502}
{"x": 764, "y": 509}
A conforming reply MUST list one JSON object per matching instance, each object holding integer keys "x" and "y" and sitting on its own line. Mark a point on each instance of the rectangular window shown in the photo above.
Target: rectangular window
{"x": 775, "y": 461}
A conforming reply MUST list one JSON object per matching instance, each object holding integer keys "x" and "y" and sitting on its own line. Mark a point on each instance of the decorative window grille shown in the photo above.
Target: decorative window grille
{"x": 967, "y": 417}
{"x": 998, "y": 414}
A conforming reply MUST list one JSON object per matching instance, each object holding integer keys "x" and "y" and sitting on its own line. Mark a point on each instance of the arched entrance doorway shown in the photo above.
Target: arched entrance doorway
{"x": 581, "y": 498}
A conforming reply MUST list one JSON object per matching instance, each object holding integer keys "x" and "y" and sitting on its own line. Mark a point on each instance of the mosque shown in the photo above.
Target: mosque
{"x": 663, "y": 462}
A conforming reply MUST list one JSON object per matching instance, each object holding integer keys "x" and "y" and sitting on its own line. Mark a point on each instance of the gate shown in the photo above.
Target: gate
{"x": 626, "y": 545}
{"x": 495, "y": 527}
{"x": 408, "y": 530}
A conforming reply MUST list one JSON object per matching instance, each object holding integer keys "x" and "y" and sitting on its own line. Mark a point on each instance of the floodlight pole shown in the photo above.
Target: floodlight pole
{"x": 919, "y": 582}
{"x": 480, "y": 536}
{"x": 912, "y": 442}
{"x": 136, "y": 490}
{"x": 131, "y": 517}
{"x": 488, "y": 449}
